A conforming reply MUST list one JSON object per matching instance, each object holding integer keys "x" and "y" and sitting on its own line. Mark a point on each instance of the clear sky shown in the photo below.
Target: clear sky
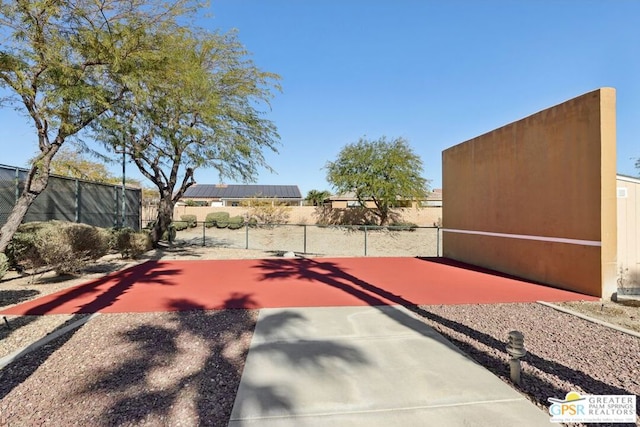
{"x": 434, "y": 72}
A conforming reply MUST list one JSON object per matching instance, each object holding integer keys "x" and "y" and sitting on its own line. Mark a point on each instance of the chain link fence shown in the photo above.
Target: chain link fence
{"x": 74, "y": 200}
{"x": 319, "y": 240}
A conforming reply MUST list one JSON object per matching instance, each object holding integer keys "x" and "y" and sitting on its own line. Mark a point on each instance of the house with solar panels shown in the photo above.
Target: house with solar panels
{"x": 221, "y": 195}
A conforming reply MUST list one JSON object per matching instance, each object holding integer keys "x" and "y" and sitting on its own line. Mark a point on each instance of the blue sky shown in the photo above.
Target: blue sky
{"x": 434, "y": 72}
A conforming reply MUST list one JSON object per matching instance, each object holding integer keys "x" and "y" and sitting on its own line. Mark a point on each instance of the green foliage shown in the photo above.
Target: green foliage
{"x": 63, "y": 246}
{"x": 169, "y": 234}
{"x": 203, "y": 108}
{"x": 180, "y": 225}
{"x": 217, "y": 219}
{"x": 4, "y": 264}
{"x": 403, "y": 226}
{"x": 236, "y": 222}
{"x": 192, "y": 220}
{"x": 64, "y": 64}
{"x": 132, "y": 244}
{"x": 316, "y": 197}
{"x": 267, "y": 211}
{"x": 72, "y": 163}
{"x": 382, "y": 171}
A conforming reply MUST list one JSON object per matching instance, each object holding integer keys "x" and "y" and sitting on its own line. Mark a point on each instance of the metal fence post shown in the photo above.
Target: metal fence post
{"x": 77, "y": 201}
{"x": 17, "y": 185}
{"x": 438, "y": 242}
{"x": 204, "y": 235}
{"x": 246, "y": 235}
{"x": 115, "y": 212}
{"x": 304, "y": 248}
{"x": 365, "y": 240}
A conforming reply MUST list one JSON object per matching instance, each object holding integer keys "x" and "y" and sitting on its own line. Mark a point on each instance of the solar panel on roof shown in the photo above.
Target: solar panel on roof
{"x": 242, "y": 191}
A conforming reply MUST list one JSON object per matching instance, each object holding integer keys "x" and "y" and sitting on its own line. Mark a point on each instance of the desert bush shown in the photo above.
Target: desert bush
{"x": 217, "y": 219}
{"x": 192, "y": 220}
{"x": 268, "y": 211}
{"x": 180, "y": 225}
{"x": 132, "y": 244}
{"x": 169, "y": 235}
{"x": 4, "y": 264}
{"x": 236, "y": 222}
{"x": 402, "y": 226}
{"x": 62, "y": 246}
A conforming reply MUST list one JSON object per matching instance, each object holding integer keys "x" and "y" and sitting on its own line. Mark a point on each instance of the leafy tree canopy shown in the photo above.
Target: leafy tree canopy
{"x": 383, "y": 171}
{"x": 200, "y": 110}
{"x": 64, "y": 64}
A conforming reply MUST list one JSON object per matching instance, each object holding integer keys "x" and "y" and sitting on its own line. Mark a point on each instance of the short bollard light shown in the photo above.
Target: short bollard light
{"x": 515, "y": 348}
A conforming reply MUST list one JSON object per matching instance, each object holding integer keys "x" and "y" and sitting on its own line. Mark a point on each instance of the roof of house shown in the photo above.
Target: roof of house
{"x": 435, "y": 194}
{"x": 233, "y": 191}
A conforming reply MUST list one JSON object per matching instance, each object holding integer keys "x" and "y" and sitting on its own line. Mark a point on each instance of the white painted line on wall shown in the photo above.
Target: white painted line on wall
{"x": 528, "y": 237}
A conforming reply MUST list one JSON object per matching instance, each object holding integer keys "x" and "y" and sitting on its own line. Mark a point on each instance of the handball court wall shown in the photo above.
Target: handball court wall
{"x": 537, "y": 198}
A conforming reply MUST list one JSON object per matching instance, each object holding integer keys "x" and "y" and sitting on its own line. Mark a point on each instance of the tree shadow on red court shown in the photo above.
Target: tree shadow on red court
{"x": 331, "y": 274}
{"x": 98, "y": 294}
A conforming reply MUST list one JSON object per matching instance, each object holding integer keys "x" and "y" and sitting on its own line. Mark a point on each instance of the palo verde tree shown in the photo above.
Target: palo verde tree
{"x": 72, "y": 163}
{"x": 383, "y": 171}
{"x": 65, "y": 63}
{"x": 201, "y": 110}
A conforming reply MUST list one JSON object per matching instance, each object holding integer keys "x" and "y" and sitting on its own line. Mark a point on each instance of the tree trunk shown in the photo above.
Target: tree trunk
{"x": 384, "y": 217}
{"x": 15, "y": 219}
{"x": 164, "y": 218}
{"x": 36, "y": 182}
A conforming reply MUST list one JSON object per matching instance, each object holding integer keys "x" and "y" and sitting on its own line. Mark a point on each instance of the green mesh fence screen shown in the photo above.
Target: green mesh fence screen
{"x": 73, "y": 200}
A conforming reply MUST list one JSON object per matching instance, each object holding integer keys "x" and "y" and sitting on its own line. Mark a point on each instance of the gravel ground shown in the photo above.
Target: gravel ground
{"x": 565, "y": 353}
{"x": 154, "y": 369}
{"x": 172, "y": 369}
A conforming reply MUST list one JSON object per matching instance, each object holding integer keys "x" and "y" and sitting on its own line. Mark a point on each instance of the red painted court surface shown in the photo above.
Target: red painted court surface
{"x": 261, "y": 283}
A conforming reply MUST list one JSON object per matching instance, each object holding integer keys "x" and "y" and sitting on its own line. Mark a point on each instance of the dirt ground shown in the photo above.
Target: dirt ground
{"x": 625, "y": 314}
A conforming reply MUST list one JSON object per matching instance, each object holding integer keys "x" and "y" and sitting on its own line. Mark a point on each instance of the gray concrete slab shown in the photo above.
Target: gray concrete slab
{"x": 374, "y": 366}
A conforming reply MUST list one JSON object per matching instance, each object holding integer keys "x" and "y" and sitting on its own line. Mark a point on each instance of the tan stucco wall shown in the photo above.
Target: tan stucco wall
{"x": 549, "y": 175}
{"x": 629, "y": 233}
{"x": 307, "y": 214}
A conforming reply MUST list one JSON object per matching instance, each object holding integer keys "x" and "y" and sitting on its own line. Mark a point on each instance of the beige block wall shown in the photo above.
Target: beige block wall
{"x": 427, "y": 216}
{"x": 549, "y": 175}
{"x": 629, "y": 232}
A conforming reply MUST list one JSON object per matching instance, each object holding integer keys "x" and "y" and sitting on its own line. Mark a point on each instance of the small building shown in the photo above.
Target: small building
{"x": 240, "y": 195}
{"x": 349, "y": 200}
{"x": 628, "y": 196}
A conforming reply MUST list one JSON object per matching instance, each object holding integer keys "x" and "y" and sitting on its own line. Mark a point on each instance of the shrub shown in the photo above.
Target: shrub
{"x": 192, "y": 220}
{"x": 132, "y": 244}
{"x": 170, "y": 234}
{"x": 63, "y": 246}
{"x": 268, "y": 211}
{"x": 180, "y": 225}
{"x": 403, "y": 226}
{"x": 236, "y": 222}
{"x": 218, "y": 219}
{"x": 4, "y": 264}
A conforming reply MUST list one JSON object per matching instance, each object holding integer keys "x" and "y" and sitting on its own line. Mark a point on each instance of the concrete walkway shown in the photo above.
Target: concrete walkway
{"x": 367, "y": 366}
